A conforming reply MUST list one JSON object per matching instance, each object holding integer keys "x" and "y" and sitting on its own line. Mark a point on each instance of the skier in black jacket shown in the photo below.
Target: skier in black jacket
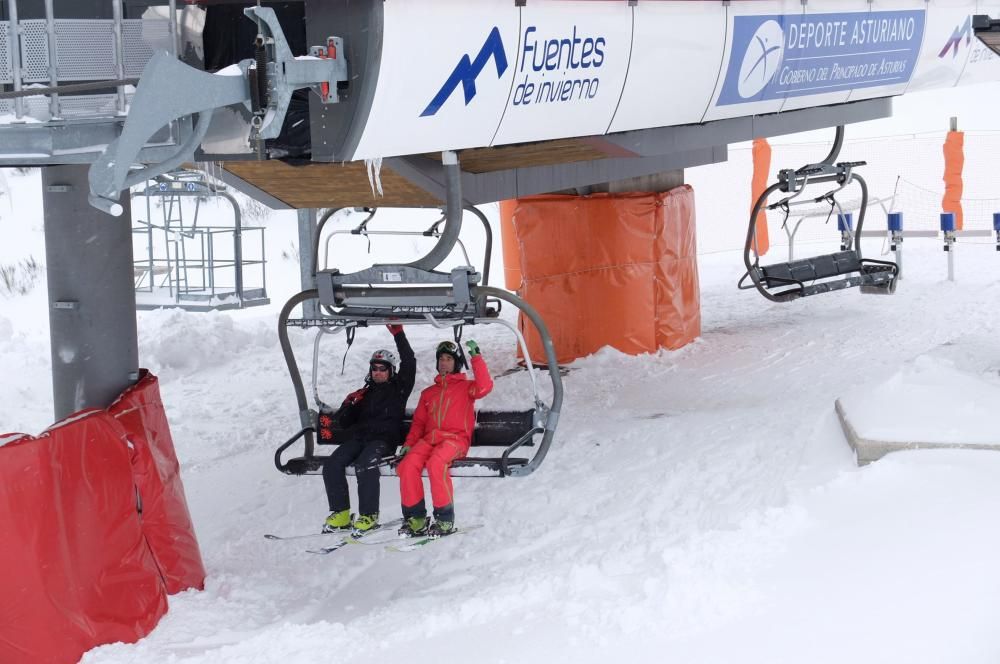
{"x": 372, "y": 419}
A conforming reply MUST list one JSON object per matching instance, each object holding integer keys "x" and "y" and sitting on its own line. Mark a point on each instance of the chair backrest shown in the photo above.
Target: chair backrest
{"x": 494, "y": 428}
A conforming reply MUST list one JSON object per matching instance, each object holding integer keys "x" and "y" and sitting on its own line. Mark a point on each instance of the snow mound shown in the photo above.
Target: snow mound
{"x": 940, "y": 397}
{"x": 181, "y": 340}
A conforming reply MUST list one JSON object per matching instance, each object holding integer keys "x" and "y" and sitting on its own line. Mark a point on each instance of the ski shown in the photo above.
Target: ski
{"x": 284, "y": 538}
{"x": 414, "y": 543}
{"x": 343, "y": 533}
{"x": 356, "y": 538}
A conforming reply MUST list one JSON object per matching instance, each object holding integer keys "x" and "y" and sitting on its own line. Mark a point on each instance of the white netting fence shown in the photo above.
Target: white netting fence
{"x": 904, "y": 174}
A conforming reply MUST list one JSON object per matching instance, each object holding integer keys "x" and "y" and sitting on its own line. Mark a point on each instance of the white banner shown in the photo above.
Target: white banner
{"x": 659, "y": 92}
{"x": 445, "y": 76}
{"x": 456, "y": 74}
{"x": 569, "y": 72}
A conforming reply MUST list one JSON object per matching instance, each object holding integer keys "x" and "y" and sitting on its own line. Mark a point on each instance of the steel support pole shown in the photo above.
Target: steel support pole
{"x": 116, "y": 6}
{"x": 307, "y": 267}
{"x": 92, "y": 322}
{"x": 50, "y": 30}
{"x": 14, "y": 44}
{"x": 175, "y": 49}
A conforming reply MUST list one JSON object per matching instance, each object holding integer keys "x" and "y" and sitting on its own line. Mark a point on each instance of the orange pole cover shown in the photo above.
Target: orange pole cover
{"x": 614, "y": 270}
{"x": 761, "y": 170}
{"x": 510, "y": 245}
{"x": 954, "y": 162}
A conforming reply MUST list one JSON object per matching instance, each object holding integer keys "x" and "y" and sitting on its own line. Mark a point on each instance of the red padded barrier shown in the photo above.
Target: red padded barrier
{"x": 166, "y": 521}
{"x": 77, "y": 571}
{"x": 618, "y": 270}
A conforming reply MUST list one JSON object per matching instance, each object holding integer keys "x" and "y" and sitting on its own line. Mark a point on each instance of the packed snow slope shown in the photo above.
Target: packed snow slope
{"x": 696, "y": 506}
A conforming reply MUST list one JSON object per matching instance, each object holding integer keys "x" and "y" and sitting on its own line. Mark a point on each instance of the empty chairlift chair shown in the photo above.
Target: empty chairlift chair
{"x": 782, "y": 282}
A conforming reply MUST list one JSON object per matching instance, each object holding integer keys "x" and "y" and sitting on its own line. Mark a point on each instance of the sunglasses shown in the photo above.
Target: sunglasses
{"x": 377, "y": 368}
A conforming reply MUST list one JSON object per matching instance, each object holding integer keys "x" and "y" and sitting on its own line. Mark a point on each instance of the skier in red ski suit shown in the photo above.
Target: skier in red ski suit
{"x": 441, "y": 432}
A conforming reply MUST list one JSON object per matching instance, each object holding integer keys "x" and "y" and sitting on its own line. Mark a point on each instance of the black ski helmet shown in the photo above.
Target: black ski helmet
{"x": 451, "y": 348}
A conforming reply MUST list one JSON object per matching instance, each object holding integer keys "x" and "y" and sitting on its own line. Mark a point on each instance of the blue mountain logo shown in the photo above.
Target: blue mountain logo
{"x": 468, "y": 71}
{"x": 963, "y": 32}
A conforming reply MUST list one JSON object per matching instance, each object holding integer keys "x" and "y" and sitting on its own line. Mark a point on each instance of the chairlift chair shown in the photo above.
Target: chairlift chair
{"x": 783, "y": 282}
{"x": 411, "y": 294}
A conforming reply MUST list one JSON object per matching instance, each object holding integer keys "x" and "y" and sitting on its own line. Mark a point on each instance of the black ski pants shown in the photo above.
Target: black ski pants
{"x": 364, "y": 455}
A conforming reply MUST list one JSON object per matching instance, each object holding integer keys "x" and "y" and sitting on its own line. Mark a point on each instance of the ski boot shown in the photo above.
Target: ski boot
{"x": 364, "y": 524}
{"x": 441, "y": 528}
{"x": 414, "y": 527}
{"x": 337, "y": 521}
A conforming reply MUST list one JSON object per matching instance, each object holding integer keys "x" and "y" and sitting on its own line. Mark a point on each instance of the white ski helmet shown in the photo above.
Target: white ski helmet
{"x": 384, "y": 356}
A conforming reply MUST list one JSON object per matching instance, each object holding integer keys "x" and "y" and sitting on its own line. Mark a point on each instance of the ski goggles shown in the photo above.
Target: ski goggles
{"x": 380, "y": 368}
{"x": 449, "y": 347}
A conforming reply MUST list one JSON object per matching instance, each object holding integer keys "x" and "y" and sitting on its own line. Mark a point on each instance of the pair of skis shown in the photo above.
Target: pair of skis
{"x": 392, "y": 543}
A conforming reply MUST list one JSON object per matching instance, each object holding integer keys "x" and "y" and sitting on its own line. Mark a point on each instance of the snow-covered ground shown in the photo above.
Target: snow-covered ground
{"x": 696, "y": 506}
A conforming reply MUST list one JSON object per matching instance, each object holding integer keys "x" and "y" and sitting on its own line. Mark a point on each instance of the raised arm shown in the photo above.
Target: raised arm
{"x": 483, "y": 383}
{"x": 407, "y": 361}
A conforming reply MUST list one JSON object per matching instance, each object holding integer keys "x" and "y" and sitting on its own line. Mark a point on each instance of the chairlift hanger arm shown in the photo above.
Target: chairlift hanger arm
{"x": 362, "y": 229}
{"x": 170, "y": 90}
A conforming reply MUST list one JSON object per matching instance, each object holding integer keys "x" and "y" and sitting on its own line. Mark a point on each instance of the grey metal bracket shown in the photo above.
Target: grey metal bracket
{"x": 170, "y": 90}
{"x": 285, "y": 74}
{"x": 393, "y": 286}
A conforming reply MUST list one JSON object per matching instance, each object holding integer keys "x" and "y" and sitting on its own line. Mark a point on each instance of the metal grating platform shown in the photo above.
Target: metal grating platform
{"x": 140, "y": 38}
{"x": 34, "y": 52}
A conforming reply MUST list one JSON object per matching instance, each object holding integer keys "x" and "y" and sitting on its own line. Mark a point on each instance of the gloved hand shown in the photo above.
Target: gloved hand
{"x": 395, "y": 329}
{"x": 473, "y": 348}
{"x": 403, "y": 450}
{"x": 354, "y": 397}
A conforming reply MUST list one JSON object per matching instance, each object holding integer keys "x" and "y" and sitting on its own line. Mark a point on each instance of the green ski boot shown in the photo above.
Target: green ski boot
{"x": 337, "y": 521}
{"x": 414, "y": 527}
{"x": 441, "y": 528}
{"x": 365, "y": 523}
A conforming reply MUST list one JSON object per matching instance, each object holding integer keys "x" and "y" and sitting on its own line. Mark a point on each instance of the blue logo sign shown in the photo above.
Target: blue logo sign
{"x": 961, "y": 32}
{"x": 795, "y": 55}
{"x": 468, "y": 70}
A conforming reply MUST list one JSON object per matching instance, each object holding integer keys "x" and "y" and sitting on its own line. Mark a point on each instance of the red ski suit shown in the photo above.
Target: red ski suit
{"x": 441, "y": 432}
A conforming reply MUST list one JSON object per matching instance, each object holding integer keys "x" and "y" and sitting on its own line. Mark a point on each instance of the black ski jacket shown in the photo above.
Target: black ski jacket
{"x": 379, "y": 413}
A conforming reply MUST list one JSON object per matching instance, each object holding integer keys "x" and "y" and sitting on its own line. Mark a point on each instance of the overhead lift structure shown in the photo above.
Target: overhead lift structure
{"x": 533, "y": 97}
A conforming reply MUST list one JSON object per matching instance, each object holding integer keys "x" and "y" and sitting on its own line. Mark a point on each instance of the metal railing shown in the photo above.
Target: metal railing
{"x": 192, "y": 271}
{"x": 52, "y": 51}
{"x": 197, "y": 266}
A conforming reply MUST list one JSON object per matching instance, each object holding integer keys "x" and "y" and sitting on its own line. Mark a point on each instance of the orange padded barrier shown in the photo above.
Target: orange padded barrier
{"x": 511, "y": 250}
{"x": 610, "y": 270}
{"x": 954, "y": 163}
{"x": 77, "y": 571}
{"x": 761, "y": 173}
